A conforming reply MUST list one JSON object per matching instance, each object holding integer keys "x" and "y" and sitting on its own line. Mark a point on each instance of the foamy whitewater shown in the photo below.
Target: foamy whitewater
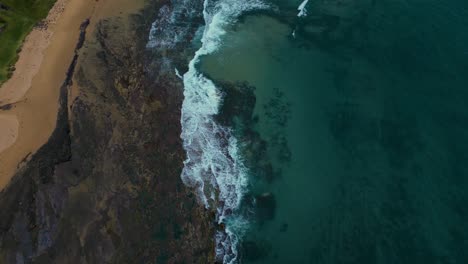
{"x": 213, "y": 165}
{"x": 173, "y": 24}
{"x": 302, "y": 9}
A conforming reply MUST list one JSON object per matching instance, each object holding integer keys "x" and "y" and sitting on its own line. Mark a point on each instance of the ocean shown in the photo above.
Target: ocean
{"x": 328, "y": 131}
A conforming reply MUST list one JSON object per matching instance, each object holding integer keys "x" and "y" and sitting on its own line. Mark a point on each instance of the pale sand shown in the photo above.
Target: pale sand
{"x": 40, "y": 71}
{"x": 8, "y": 130}
{"x": 30, "y": 59}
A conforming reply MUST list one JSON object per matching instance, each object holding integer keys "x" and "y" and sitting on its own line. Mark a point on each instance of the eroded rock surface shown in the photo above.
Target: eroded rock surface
{"x": 106, "y": 188}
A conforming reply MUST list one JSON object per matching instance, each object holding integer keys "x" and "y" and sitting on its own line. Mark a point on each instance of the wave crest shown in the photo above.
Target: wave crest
{"x": 213, "y": 166}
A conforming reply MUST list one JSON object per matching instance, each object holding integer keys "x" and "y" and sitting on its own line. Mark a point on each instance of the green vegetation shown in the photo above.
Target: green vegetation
{"x": 17, "y": 18}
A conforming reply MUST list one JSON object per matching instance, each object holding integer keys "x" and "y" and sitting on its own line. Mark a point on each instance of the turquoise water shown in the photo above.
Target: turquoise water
{"x": 365, "y": 118}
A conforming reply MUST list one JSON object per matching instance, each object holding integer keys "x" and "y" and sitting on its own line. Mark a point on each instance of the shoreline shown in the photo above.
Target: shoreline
{"x": 106, "y": 186}
{"x": 31, "y": 95}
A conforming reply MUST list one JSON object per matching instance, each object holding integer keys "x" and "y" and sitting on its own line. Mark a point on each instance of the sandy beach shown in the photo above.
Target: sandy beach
{"x": 8, "y": 130}
{"x": 29, "y": 100}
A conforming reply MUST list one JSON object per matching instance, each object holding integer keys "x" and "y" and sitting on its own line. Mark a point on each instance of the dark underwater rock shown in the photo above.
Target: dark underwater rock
{"x": 284, "y": 227}
{"x": 255, "y": 250}
{"x": 266, "y": 206}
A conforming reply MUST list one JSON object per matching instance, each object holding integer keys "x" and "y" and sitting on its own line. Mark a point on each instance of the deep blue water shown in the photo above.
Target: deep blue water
{"x": 336, "y": 137}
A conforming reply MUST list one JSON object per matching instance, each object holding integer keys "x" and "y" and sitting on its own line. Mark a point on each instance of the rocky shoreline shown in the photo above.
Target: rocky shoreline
{"x": 106, "y": 187}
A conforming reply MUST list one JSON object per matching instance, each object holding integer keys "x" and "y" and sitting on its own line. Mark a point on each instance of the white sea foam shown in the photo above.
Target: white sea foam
{"x": 177, "y": 73}
{"x": 213, "y": 165}
{"x": 173, "y": 24}
{"x": 302, "y": 9}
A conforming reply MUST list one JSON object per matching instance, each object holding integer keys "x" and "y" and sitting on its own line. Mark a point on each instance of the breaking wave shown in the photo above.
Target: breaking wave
{"x": 213, "y": 166}
{"x": 174, "y": 23}
{"x": 302, "y": 9}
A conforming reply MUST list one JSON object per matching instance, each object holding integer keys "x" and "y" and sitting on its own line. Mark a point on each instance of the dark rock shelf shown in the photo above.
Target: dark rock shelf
{"x": 106, "y": 188}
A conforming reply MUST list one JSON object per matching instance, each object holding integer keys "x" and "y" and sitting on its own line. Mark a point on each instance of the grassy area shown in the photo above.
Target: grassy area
{"x": 17, "y": 18}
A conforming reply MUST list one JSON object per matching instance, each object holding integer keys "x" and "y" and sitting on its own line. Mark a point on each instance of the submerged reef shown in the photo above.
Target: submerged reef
{"x": 262, "y": 157}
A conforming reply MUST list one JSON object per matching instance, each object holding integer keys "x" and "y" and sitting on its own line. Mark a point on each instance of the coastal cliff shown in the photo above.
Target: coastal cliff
{"x": 106, "y": 187}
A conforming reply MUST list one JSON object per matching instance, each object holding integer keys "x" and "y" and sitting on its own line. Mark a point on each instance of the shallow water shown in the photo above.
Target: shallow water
{"x": 369, "y": 99}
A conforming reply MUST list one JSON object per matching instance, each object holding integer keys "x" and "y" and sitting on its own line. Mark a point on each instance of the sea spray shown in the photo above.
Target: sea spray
{"x": 302, "y": 9}
{"x": 174, "y": 24}
{"x": 213, "y": 166}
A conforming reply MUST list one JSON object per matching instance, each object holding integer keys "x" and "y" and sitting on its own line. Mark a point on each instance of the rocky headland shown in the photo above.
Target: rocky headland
{"x": 106, "y": 186}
